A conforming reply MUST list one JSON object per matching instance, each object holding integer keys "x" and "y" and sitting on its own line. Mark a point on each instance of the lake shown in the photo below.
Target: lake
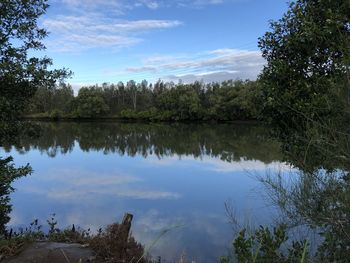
{"x": 169, "y": 176}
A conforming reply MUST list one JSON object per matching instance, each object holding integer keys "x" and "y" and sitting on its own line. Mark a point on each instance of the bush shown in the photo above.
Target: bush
{"x": 56, "y": 115}
{"x": 265, "y": 245}
{"x": 109, "y": 245}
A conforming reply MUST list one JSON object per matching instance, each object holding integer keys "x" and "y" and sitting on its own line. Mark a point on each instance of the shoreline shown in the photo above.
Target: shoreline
{"x": 135, "y": 120}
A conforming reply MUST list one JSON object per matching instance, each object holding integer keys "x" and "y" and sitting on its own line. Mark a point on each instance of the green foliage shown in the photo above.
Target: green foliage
{"x": 317, "y": 200}
{"x": 305, "y": 88}
{"x": 265, "y": 245}
{"x": 59, "y": 98}
{"x": 109, "y": 245}
{"x": 56, "y": 115}
{"x": 306, "y": 80}
{"x": 20, "y": 75}
{"x": 106, "y": 243}
{"x": 14, "y": 242}
{"x": 225, "y": 259}
{"x": 8, "y": 173}
{"x": 230, "y": 100}
{"x": 90, "y": 103}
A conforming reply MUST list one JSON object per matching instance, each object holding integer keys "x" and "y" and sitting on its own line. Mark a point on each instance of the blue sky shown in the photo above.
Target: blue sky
{"x": 118, "y": 40}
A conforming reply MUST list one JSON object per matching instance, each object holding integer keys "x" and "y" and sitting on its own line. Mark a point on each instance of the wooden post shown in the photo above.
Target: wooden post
{"x": 126, "y": 223}
{"x": 124, "y": 233}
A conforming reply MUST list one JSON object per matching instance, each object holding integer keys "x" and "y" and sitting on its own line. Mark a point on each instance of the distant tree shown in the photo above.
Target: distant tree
{"x": 121, "y": 94}
{"x": 188, "y": 103}
{"x": 42, "y": 100}
{"x": 90, "y": 103}
{"x": 146, "y": 95}
{"x": 229, "y": 100}
{"x": 132, "y": 89}
{"x": 63, "y": 98}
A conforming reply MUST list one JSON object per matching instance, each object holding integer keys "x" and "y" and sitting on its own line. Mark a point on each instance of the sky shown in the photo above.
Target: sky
{"x": 119, "y": 40}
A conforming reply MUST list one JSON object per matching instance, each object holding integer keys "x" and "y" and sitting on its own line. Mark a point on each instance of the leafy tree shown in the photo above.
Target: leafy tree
{"x": 305, "y": 87}
{"x": 229, "y": 100}
{"x": 132, "y": 89}
{"x": 306, "y": 80}
{"x": 90, "y": 103}
{"x": 110, "y": 96}
{"x": 63, "y": 97}
{"x": 20, "y": 76}
{"x": 42, "y": 100}
{"x": 8, "y": 174}
{"x": 188, "y": 104}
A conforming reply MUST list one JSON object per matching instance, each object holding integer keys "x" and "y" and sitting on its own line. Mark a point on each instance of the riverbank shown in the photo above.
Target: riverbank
{"x": 54, "y": 252}
{"x": 48, "y": 118}
{"x": 114, "y": 244}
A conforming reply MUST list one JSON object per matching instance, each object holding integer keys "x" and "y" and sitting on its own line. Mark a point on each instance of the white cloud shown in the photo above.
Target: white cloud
{"x": 80, "y": 185}
{"x": 148, "y": 3}
{"x": 214, "y": 65}
{"x": 119, "y": 6}
{"x": 114, "y": 6}
{"x": 250, "y": 166}
{"x": 218, "y": 165}
{"x": 75, "y": 194}
{"x": 182, "y": 233}
{"x": 208, "y": 2}
{"x": 85, "y": 32}
{"x": 93, "y": 25}
{"x": 218, "y": 76}
{"x": 201, "y": 3}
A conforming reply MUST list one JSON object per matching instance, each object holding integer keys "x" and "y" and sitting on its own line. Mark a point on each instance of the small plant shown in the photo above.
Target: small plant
{"x": 265, "y": 245}
{"x": 52, "y": 222}
{"x": 109, "y": 245}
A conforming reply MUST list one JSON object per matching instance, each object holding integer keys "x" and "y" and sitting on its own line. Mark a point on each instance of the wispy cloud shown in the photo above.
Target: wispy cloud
{"x": 214, "y": 65}
{"x": 91, "y": 3}
{"x": 85, "y": 32}
{"x": 115, "y": 6}
{"x": 220, "y": 166}
{"x": 80, "y": 185}
{"x": 148, "y": 3}
{"x": 127, "y": 193}
{"x": 119, "y": 6}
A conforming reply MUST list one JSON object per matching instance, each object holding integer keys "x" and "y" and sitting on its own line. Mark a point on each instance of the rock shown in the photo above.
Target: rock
{"x": 43, "y": 252}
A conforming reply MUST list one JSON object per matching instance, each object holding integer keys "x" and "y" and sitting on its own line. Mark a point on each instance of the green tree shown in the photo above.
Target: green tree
{"x": 20, "y": 76}
{"x": 188, "y": 103}
{"x": 63, "y": 97}
{"x": 42, "y": 100}
{"x": 306, "y": 80}
{"x": 90, "y": 103}
{"x": 132, "y": 89}
{"x": 305, "y": 86}
{"x": 8, "y": 174}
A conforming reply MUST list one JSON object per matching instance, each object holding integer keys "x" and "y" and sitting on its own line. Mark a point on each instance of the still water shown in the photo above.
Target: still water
{"x": 166, "y": 175}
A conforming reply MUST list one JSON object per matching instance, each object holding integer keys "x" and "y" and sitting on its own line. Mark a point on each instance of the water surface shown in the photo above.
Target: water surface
{"x": 167, "y": 175}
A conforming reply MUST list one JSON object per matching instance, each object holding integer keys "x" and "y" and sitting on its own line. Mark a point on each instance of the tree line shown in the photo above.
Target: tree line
{"x": 165, "y": 101}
